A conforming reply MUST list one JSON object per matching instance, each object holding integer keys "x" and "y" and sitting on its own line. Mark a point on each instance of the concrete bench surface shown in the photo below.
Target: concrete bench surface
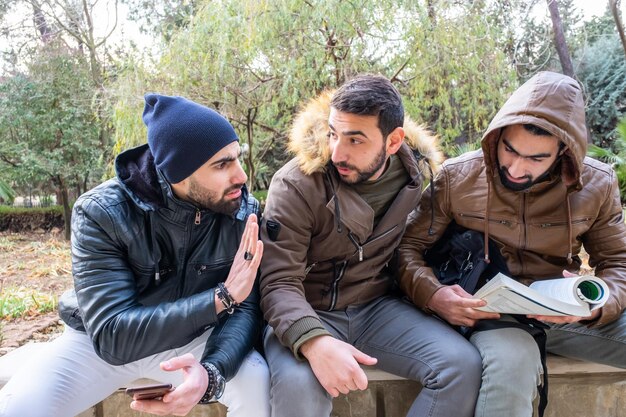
{"x": 577, "y": 388}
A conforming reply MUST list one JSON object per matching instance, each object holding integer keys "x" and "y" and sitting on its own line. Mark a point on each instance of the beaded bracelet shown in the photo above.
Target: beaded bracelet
{"x": 215, "y": 387}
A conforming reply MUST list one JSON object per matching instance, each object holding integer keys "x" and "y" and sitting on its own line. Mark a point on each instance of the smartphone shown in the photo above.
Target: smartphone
{"x": 149, "y": 392}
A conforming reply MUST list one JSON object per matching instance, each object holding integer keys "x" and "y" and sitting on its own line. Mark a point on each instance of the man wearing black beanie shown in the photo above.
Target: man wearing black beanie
{"x": 164, "y": 258}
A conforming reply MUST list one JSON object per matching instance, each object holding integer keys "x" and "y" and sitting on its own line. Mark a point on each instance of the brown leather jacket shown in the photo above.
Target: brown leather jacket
{"x": 327, "y": 255}
{"x": 540, "y": 231}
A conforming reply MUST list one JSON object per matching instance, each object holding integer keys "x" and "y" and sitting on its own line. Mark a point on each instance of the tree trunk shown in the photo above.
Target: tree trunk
{"x": 67, "y": 211}
{"x": 618, "y": 22}
{"x": 40, "y": 23}
{"x": 249, "y": 158}
{"x": 432, "y": 14}
{"x": 559, "y": 39}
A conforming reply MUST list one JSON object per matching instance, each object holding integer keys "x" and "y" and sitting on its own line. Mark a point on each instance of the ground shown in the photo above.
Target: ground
{"x": 35, "y": 269}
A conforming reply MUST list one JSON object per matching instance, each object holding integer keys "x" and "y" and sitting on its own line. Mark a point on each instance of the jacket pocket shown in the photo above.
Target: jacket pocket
{"x": 203, "y": 276}
{"x": 467, "y": 219}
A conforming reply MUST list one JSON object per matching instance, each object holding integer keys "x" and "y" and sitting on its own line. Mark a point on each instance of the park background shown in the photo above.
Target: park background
{"x": 73, "y": 74}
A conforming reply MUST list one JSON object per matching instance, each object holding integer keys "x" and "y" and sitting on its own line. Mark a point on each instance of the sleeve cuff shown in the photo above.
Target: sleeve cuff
{"x": 305, "y": 338}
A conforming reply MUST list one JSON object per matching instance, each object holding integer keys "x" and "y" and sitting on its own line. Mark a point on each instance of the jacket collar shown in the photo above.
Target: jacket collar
{"x": 357, "y": 215}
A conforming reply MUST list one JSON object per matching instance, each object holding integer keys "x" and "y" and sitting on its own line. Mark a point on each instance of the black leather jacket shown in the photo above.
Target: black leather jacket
{"x": 145, "y": 266}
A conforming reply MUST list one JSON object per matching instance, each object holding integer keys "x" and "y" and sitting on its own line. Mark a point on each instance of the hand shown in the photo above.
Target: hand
{"x": 336, "y": 364}
{"x": 567, "y": 319}
{"x": 243, "y": 272}
{"x": 457, "y": 307}
{"x": 180, "y": 401}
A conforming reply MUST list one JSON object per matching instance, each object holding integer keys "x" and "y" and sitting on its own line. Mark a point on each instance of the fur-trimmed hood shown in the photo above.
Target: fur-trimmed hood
{"x": 308, "y": 139}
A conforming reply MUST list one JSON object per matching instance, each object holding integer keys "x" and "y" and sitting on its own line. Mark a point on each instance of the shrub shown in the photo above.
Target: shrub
{"x": 17, "y": 219}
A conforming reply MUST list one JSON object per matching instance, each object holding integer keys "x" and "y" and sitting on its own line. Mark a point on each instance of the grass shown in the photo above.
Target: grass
{"x": 25, "y": 210}
{"x": 6, "y": 244}
{"x": 21, "y": 302}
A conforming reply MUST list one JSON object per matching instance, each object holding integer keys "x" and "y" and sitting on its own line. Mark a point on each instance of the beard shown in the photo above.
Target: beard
{"x": 209, "y": 200}
{"x": 368, "y": 172}
{"x": 514, "y": 186}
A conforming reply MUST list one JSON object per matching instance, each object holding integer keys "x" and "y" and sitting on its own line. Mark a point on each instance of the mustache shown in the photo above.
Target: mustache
{"x": 344, "y": 165}
{"x": 233, "y": 188}
{"x": 528, "y": 177}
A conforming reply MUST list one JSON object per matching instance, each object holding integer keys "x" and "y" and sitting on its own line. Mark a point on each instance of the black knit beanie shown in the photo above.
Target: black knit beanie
{"x": 183, "y": 135}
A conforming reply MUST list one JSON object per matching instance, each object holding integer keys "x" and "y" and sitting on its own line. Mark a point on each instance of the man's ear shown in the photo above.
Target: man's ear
{"x": 394, "y": 140}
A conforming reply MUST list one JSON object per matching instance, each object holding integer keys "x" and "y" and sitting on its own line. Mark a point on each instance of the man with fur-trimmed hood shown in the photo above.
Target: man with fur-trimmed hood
{"x": 334, "y": 216}
{"x": 532, "y": 190}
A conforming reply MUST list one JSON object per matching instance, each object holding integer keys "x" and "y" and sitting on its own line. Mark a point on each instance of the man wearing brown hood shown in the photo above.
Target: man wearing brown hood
{"x": 334, "y": 216}
{"x": 532, "y": 191}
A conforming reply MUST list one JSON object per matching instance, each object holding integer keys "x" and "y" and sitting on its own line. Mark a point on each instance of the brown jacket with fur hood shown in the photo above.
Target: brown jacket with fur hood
{"x": 322, "y": 251}
{"x": 540, "y": 231}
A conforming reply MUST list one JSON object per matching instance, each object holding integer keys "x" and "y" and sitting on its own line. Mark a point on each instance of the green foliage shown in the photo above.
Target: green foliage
{"x": 616, "y": 157}
{"x": 459, "y": 76}
{"x": 9, "y": 210}
{"x": 458, "y": 150}
{"x": 7, "y": 195}
{"x": 49, "y": 131}
{"x": 603, "y": 74}
{"x": 257, "y": 61}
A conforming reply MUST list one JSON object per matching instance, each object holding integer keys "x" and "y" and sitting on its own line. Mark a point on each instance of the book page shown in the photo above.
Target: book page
{"x": 506, "y": 295}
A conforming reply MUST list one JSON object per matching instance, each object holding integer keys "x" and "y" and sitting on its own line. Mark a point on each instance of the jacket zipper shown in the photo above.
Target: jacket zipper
{"x": 545, "y": 225}
{"x": 181, "y": 287}
{"x": 201, "y": 269}
{"x": 470, "y": 216}
{"x": 308, "y": 268}
{"x": 359, "y": 247}
{"x": 335, "y": 285}
{"x": 344, "y": 264}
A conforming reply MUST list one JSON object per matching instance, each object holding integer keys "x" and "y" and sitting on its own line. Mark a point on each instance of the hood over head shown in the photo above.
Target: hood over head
{"x": 553, "y": 102}
{"x": 308, "y": 138}
{"x": 136, "y": 169}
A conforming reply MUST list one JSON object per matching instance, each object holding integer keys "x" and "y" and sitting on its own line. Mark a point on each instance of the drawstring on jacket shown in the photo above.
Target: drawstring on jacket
{"x": 486, "y": 233}
{"x": 569, "y": 229}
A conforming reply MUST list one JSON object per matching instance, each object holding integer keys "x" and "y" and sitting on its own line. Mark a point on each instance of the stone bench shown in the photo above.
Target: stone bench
{"x": 576, "y": 389}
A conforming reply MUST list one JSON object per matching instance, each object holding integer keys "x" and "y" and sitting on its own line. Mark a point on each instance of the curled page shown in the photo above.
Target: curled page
{"x": 575, "y": 296}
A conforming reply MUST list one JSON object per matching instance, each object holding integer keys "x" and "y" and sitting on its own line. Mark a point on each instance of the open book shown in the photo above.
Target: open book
{"x": 575, "y": 296}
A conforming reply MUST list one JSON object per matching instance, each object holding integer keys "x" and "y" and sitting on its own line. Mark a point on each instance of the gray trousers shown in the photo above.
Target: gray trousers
{"x": 68, "y": 378}
{"x": 405, "y": 341}
{"x": 512, "y": 365}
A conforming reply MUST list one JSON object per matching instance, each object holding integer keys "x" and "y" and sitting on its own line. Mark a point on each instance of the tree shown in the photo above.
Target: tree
{"x": 614, "y": 5}
{"x": 458, "y": 75}
{"x": 48, "y": 126}
{"x": 616, "y": 157}
{"x": 602, "y": 72}
{"x": 257, "y": 61}
{"x": 559, "y": 39}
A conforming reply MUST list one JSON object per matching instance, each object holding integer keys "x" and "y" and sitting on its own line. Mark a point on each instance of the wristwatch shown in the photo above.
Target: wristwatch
{"x": 215, "y": 387}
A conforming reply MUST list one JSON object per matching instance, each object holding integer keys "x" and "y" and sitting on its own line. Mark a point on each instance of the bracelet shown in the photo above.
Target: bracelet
{"x": 227, "y": 300}
{"x": 215, "y": 387}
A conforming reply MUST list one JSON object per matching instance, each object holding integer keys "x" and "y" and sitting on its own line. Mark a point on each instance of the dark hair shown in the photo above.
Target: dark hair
{"x": 371, "y": 95}
{"x": 536, "y": 130}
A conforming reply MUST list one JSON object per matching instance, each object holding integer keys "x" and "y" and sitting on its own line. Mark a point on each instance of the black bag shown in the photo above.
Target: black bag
{"x": 458, "y": 257}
